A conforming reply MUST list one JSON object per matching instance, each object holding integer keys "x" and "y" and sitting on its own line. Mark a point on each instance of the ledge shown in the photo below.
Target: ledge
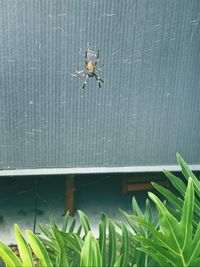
{"x": 93, "y": 170}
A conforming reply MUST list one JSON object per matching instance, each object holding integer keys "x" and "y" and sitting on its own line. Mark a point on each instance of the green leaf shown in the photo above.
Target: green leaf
{"x": 9, "y": 257}
{"x": 72, "y": 226}
{"x": 38, "y": 249}
{"x": 188, "y": 173}
{"x": 73, "y": 241}
{"x": 187, "y": 214}
{"x": 130, "y": 221}
{"x": 90, "y": 255}
{"x": 65, "y": 223}
{"x": 53, "y": 221}
{"x": 176, "y": 241}
{"x": 176, "y": 182}
{"x": 124, "y": 250}
{"x": 112, "y": 244}
{"x": 102, "y": 238}
{"x": 160, "y": 259}
{"x": 118, "y": 261}
{"x": 164, "y": 254}
{"x": 148, "y": 215}
{"x": 195, "y": 247}
{"x": 135, "y": 256}
{"x": 46, "y": 231}
{"x": 171, "y": 197}
{"x": 177, "y": 202}
{"x": 24, "y": 249}
{"x": 169, "y": 226}
{"x": 79, "y": 230}
{"x": 179, "y": 184}
{"x": 63, "y": 260}
{"x": 136, "y": 208}
{"x": 84, "y": 221}
{"x": 159, "y": 236}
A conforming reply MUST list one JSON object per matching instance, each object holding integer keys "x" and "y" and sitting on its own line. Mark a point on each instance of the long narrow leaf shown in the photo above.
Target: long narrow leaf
{"x": 171, "y": 197}
{"x": 72, "y": 241}
{"x": 118, "y": 261}
{"x": 102, "y": 238}
{"x": 181, "y": 187}
{"x": 136, "y": 208}
{"x": 188, "y": 173}
{"x": 90, "y": 255}
{"x": 165, "y": 254}
{"x": 46, "y": 231}
{"x": 38, "y": 249}
{"x": 195, "y": 246}
{"x": 124, "y": 251}
{"x": 112, "y": 244}
{"x": 168, "y": 224}
{"x": 72, "y": 226}
{"x": 176, "y": 182}
{"x": 187, "y": 214}
{"x": 63, "y": 260}
{"x": 134, "y": 226}
{"x": 84, "y": 221}
{"x": 65, "y": 223}
{"x": 160, "y": 259}
{"x": 79, "y": 230}
{"x": 24, "y": 249}
{"x": 9, "y": 257}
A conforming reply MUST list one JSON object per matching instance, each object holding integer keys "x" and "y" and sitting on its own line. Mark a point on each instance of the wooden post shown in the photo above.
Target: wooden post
{"x": 124, "y": 186}
{"x": 69, "y": 201}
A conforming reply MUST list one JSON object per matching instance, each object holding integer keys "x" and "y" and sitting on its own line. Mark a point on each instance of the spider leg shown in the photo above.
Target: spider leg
{"x": 86, "y": 54}
{"x": 84, "y": 84}
{"x": 97, "y": 58}
{"x": 78, "y": 73}
{"x": 99, "y": 80}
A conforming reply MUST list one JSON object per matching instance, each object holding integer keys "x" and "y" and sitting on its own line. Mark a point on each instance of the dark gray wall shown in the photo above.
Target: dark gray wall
{"x": 148, "y": 107}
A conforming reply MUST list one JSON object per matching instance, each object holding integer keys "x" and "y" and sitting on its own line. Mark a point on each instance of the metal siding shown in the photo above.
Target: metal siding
{"x": 148, "y": 108}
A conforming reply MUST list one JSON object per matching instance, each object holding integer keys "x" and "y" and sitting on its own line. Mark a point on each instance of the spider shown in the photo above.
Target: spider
{"x": 91, "y": 61}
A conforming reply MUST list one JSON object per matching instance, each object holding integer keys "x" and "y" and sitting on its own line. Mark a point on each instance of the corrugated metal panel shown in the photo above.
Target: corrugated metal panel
{"x": 148, "y": 107}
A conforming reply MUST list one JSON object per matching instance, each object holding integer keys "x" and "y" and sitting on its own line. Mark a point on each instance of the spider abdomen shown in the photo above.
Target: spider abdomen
{"x": 90, "y": 67}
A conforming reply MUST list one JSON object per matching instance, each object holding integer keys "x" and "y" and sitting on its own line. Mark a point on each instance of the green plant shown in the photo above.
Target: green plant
{"x": 81, "y": 247}
{"x": 138, "y": 257}
{"x": 26, "y": 258}
{"x": 177, "y": 199}
{"x": 114, "y": 246}
{"x": 176, "y": 243}
{"x": 64, "y": 245}
{"x": 90, "y": 253}
{"x": 172, "y": 239}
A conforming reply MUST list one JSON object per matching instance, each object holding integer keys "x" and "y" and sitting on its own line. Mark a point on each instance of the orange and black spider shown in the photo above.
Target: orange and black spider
{"x": 91, "y": 69}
